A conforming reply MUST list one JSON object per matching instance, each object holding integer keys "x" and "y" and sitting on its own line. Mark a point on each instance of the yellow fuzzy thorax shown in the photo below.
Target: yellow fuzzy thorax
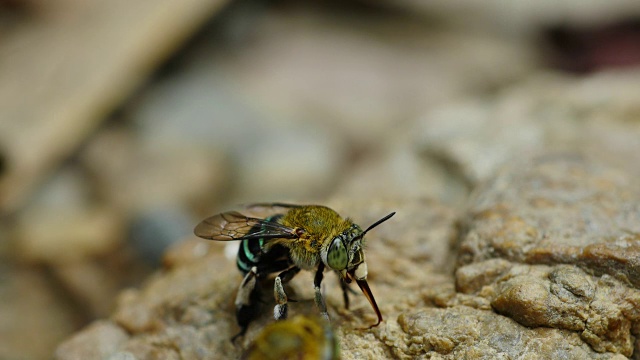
{"x": 321, "y": 224}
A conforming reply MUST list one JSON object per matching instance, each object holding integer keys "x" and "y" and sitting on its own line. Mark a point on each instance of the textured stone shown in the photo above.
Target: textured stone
{"x": 94, "y": 342}
{"x": 554, "y": 243}
{"x": 504, "y": 310}
{"x": 558, "y": 209}
{"x": 188, "y": 312}
{"x": 466, "y": 333}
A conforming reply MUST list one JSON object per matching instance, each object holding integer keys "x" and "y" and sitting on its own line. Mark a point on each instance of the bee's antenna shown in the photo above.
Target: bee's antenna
{"x": 379, "y": 222}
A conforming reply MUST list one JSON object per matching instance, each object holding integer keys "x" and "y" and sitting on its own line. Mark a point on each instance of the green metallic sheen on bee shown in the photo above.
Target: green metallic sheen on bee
{"x": 290, "y": 239}
{"x": 299, "y": 338}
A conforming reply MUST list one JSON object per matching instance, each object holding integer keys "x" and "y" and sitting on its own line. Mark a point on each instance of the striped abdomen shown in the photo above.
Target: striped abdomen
{"x": 251, "y": 252}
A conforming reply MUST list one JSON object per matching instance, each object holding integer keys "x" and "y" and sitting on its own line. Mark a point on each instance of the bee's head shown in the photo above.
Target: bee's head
{"x": 346, "y": 256}
{"x": 345, "y": 253}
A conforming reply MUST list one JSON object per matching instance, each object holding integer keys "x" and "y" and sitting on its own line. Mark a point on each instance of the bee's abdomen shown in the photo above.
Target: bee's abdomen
{"x": 251, "y": 252}
{"x": 248, "y": 255}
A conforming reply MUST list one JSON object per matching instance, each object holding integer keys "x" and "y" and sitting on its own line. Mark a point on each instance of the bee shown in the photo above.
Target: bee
{"x": 301, "y": 337}
{"x": 292, "y": 238}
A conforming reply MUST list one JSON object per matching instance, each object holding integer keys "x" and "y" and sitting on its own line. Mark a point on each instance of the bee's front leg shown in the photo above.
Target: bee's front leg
{"x": 280, "y": 310}
{"x": 317, "y": 280}
{"x": 345, "y": 292}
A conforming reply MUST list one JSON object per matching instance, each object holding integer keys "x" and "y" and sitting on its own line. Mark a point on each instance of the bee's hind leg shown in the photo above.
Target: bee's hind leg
{"x": 247, "y": 304}
{"x": 280, "y": 310}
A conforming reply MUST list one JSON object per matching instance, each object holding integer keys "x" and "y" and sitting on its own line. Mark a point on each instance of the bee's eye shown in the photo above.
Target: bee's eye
{"x": 337, "y": 255}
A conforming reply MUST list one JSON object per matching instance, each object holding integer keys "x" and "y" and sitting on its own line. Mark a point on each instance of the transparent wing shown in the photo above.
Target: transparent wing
{"x": 235, "y": 226}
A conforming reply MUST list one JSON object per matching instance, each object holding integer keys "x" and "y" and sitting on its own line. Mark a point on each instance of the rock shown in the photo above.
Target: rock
{"x": 94, "y": 342}
{"x": 364, "y": 80}
{"x": 80, "y": 240}
{"x": 137, "y": 175}
{"x": 522, "y": 18}
{"x": 43, "y": 236}
{"x": 64, "y": 223}
{"x": 554, "y": 243}
{"x": 458, "y": 145}
{"x": 33, "y": 319}
{"x": 403, "y": 172}
{"x": 188, "y": 311}
{"x": 263, "y": 154}
{"x": 594, "y": 115}
{"x": 467, "y": 333}
{"x": 152, "y": 232}
{"x": 84, "y": 59}
{"x": 558, "y": 209}
{"x": 505, "y": 308}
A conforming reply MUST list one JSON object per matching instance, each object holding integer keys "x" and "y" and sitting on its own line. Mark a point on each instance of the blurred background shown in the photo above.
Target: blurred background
{"x": 122, "y": 124}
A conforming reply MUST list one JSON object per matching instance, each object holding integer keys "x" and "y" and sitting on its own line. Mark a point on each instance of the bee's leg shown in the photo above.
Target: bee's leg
{"x": 280, "y": 310}
{"x": 247, "y": 307}
{"x": 345, "y": 291}
{"x": 317, "y": 280}
{"x": 345, "y": 294}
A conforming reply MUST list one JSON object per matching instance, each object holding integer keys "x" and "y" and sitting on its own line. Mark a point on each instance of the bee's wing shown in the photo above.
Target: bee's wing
{"x": 235, "y": 226}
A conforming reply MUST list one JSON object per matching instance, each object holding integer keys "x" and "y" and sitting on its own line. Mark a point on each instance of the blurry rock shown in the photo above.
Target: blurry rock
{"x": 81, "y": 242}
{"x": 64, "y": 224}
{"x": 46, "y": 236}
{"x": 33, "y": 319}
{"x": 95, "y": 342}
{"x": 268, "y": 157}
{"x": 401, "y": 171}
{"x": 152, "y": 232}
{"x": 580, "y": 50}
{"x": 78, "y": 61}
{"x": 518, "y": 18}
{"x": 5, "y": 243}
{"x": 596, "y": 116}
{"x": 138, "y": 175}
{"x": 567, "y": 231}
{"x": 91, "y": 285}
{"x": 186, "y": 251}
{"x": 364, "y": 74}
{"x": 458, "y": 145}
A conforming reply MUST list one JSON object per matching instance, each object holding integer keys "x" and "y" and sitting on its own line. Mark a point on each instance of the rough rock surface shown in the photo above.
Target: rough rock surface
{"x": 187, "y": 311}
{"x": 503, "y": 308}
{"x": 541, "y": 262}
{"x": 554, "y": 243}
